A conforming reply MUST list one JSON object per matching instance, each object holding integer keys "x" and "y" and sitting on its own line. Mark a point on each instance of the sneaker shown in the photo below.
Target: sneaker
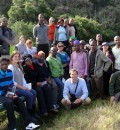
{"x": 32, "y": 126}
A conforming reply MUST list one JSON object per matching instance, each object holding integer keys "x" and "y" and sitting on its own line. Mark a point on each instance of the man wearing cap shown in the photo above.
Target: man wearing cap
{"x": 40, "y": 33}
{"x": 79, "y": 60}
{"x": 98, "y": 64}
{"x": 6, "y": 38}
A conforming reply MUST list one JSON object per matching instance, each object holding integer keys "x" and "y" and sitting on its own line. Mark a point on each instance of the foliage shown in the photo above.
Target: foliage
{"x": 22, "y": 28}
{"x": 88, "y": 28}
{"x": 28, "y": 10}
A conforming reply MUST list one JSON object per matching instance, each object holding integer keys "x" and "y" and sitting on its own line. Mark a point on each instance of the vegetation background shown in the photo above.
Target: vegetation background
{"x": 91, "y": 17}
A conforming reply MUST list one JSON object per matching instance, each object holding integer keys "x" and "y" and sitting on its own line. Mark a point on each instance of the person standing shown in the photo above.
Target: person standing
{"x": 6, "y": 38}
{"x": 98, "y": 64}
{"x": 40, "y": 33}
{"x": 51, "y": 30}
{"x": 79, "y": 60}
{"x": 116, "y": 53}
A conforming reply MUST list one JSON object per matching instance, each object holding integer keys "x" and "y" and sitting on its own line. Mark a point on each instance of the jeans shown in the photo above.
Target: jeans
{"x": 60, "y": 88}
{"x": 9, "y": 105}
{"x": 30, "y": 97}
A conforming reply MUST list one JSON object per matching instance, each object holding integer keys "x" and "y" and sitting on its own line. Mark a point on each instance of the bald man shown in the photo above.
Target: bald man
{"x": 6, "y": 38}
{"x": 45, "y": 74}
{"x": 116, "y": 53}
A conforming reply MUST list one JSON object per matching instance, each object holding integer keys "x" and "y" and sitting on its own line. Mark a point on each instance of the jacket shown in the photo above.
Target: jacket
{"x": 102, "y": 63}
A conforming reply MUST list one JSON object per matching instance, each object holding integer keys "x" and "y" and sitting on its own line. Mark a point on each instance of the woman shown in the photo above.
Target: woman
{"x": 108, "y": 52}
{"x": 44, "y": 95}
{"x": 61, "y": 34}
{"x": 30, "y": 49}
{"x": 20, "y": 82}
{"x": 51, "y": 30}
{"x": 65, "y": 59}
{"x": 21, "y": 47}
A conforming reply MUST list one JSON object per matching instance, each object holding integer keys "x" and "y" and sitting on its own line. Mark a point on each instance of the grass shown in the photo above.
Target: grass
{"x": 100, "y": 115}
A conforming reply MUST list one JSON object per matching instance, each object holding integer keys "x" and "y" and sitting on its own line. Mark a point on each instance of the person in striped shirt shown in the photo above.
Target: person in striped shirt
{"x": 11, "y": 99}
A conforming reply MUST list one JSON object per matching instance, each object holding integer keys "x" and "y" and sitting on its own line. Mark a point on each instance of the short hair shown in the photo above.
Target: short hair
{"x": 41, "y": 15}
{"x": 28, "y": 41}
{"x": 41, "y": 53}
{"x": 4, "y": 59}
{"x": 27, "y": 56}
{"x": 73, "y": 70}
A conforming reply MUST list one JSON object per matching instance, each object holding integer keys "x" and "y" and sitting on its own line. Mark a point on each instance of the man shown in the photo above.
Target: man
{"x": 57, "y": 71}
{"x": 99, "y": 39}
{"x": 79, "y": 60}
{"x": 6, "y": 38}
{"x": 45, "y": 75}
{"x": 75, "y": 91}
{"x": 116, "y": 53}
{"x": 72, "y": 28}
{"x": 99, "y": 63}
{"x": 114, "y": 87}
{"x": 40, "y": 32}
{"x": 9, "y": 98}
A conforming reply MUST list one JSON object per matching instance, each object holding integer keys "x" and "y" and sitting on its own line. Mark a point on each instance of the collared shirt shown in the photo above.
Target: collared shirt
{"x": 81, "y": 91}
{"x": 79, "y": 61}
{"x": 116, "y": 53}
{"x": 6, "y": 80}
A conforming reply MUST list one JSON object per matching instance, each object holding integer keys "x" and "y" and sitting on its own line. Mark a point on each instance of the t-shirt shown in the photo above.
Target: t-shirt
{"x": 6, "y": 80}
{"x": 62, "y": 34}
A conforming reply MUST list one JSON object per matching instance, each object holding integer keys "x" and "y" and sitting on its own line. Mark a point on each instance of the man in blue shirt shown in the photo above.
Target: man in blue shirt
{"x": 75, "y": 91}
{"x": 11, "y": 99}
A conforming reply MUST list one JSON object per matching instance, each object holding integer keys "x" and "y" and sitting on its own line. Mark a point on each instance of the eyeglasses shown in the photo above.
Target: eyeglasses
{"x": 28, "y": 60}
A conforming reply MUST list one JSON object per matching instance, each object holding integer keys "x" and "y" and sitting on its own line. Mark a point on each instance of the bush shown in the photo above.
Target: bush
{"x": 88, "y": 28}
{"x": 22, "y": 28}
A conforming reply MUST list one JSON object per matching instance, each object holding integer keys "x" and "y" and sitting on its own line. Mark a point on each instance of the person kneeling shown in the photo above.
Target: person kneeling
{"x": 75, "y": 91}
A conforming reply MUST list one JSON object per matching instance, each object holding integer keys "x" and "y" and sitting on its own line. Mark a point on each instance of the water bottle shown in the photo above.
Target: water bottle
{"x": 14, "y": 89}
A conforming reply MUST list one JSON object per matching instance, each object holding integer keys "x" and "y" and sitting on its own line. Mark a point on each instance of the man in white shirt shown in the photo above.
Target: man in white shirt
{"x": 116, "y": 53}
{"x": 75, "y": 91}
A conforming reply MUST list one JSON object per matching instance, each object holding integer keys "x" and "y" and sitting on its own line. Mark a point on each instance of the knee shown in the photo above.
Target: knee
{"x": 87, "y": 101}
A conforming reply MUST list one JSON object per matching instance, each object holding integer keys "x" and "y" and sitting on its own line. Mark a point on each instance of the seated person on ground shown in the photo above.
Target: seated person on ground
{"x": 20, "y": 82}
{"x": 57, "y": 71}
{"x": 114, "y": 87}
{"x": 75, "y": 91}
{"x": 11, "y": 99}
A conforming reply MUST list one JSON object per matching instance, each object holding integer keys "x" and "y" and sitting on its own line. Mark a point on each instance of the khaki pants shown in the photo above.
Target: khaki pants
{"x": 87, "y": 101}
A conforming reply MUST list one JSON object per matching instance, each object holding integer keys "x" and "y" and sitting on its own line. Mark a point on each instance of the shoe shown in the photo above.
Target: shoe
{"x": 56, "y": 106}
{"x": 54, "y": 110}
{"x": 32, "y": 126}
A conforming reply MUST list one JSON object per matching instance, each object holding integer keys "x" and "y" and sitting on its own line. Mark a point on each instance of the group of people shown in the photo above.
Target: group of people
{"x": 60, "y": 71}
